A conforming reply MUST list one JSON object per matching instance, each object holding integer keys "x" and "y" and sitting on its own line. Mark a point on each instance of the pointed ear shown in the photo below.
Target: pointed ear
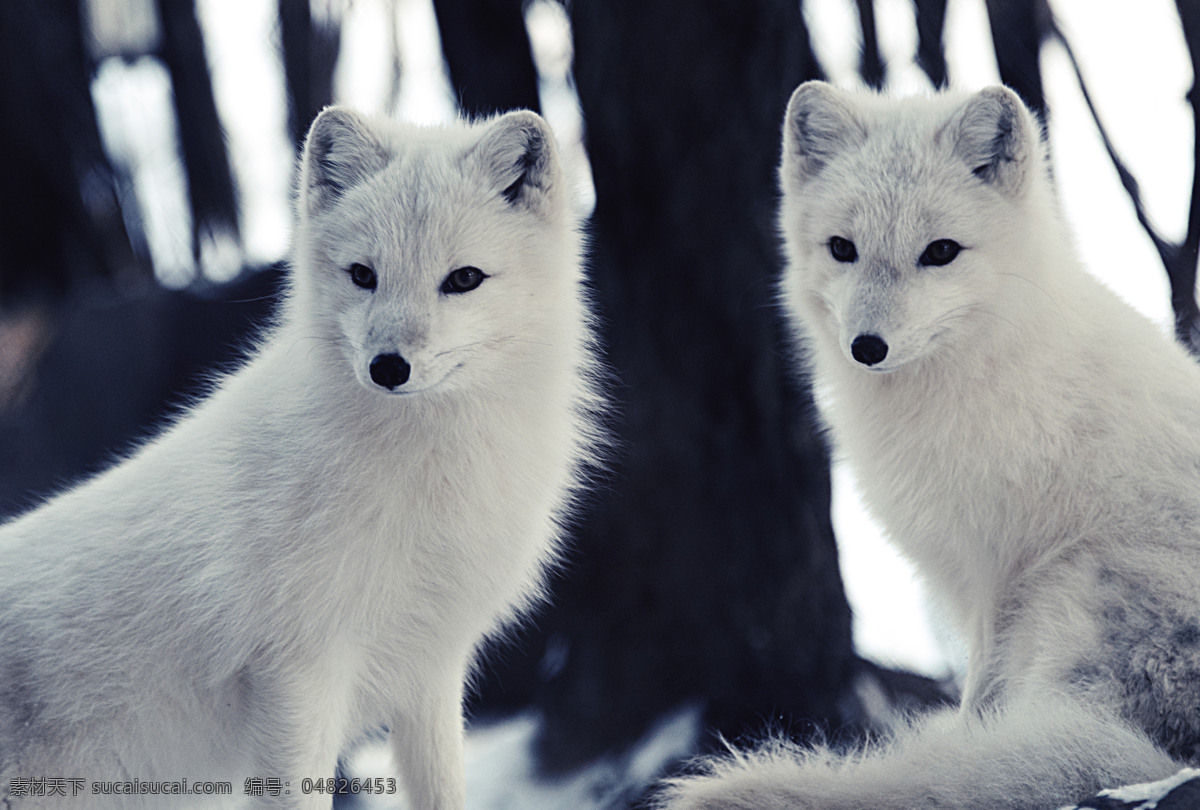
{"x": 340, "y": 152}
{"x": 819, "y": 123}
{"x": 518, "y": 157}
{"x": 997, "y": 138}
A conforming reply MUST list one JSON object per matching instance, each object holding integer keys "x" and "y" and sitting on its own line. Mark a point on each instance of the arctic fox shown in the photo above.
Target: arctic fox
{"x": 318, "y": 548}
{"x": 1027, "y": 439}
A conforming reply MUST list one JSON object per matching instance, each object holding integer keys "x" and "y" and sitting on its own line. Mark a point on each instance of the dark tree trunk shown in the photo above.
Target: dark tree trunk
{"x": 1018, "y": 29}
{"x": 1182, "y": 270}
{"x": 310, "y": 52}
{"x": 59, "y": 218}
{"x": 488, "y": 55}
{"x": 202, "y": 141}
{"x": 931, "y": 54}
{"x": 870, "y": 65}
{"x": 706, "y": 571}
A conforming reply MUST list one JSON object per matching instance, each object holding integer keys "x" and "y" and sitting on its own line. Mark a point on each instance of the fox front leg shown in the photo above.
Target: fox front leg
{"x": 293, "y": 722}
{"x": 427, "y": 743}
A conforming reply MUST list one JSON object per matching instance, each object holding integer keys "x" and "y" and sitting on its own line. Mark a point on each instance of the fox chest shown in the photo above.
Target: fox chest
{"x": 956, "y": 489}
{"x": 451, "y": 536}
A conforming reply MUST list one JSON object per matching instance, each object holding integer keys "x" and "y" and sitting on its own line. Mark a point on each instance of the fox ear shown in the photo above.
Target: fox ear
{"x": 340, "y": 152}
{"x": 517, "y": 155}
{"x": 997, "y": 138}
{"x": 819, "y": 123}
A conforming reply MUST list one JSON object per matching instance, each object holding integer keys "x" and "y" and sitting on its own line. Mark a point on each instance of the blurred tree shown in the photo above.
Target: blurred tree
{"x": 487, "y": 53}
{"x": 1181, "y": 266}
{"x": 707, "y": 570}
{"x": 310, "y": 50}
{"x": 931, "y": 53}
{"x": 871, "y": 65}
{"x": 211, "y": 193}
{"x": 60, "y": 221}
{"x": 1019, "y": 27}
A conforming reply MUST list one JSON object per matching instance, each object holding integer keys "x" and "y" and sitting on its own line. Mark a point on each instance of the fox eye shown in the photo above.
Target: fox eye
{"x": 842, "y": 249}
{"x": 939, "y": 252}
{"x": 363, "y": 276}
{"x": 462, "y": 280}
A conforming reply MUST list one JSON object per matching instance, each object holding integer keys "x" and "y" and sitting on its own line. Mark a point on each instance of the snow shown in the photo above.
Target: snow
{"x": 1149, "y": 794}
{"x": 1152, "y": 790}
{"x": 502, "y": 775}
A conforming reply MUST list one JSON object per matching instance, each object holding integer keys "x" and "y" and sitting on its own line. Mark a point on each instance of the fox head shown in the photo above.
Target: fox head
{"x": 424, "y": 253}
{"x": 903, "y": 221}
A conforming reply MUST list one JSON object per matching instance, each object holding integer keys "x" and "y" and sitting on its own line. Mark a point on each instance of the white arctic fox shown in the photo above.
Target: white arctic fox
{"x": 317, "y": 549}
{"x": 1027, "y": 439}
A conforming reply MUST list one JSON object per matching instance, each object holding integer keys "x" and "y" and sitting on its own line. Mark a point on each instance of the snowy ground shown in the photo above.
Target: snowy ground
{"x": 501, "y": 773}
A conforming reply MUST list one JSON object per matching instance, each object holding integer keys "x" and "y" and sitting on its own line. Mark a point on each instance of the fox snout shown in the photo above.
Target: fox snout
{"x": 403, "y": 370}
{"x": 868, "y": 349}
{"x": 389, "y": 371}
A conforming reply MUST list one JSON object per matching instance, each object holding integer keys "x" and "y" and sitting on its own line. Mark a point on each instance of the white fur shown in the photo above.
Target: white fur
{"x": 306, "y": 556}
{"x": 1029, "y": 441}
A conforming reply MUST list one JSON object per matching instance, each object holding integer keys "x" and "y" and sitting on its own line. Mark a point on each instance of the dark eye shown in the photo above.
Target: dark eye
{"x": 939, "y": 252}
{"x": 363, "y": 276}
{"x": 842, "y": 249}
{"x": 462, "y": 280}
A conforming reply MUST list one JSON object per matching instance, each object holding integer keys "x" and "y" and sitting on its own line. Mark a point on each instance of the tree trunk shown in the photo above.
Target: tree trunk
{"x": 870, "y": 64}
{"x": 706, "y": 570}
{"x": 53, "y": 233}
{"x": 310, "y": 52}
{"x": 931, "y": 53}
{"x": 487, "y": 53}
{"x": 210, "y": 182}
{"x": 1182, "y": 272}
{"x": 1018, "y": 30}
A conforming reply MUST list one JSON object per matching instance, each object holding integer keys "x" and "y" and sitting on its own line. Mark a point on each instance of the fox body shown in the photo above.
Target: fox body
{"x": 318, "y": 548}
{"x": 1026, "y": 438}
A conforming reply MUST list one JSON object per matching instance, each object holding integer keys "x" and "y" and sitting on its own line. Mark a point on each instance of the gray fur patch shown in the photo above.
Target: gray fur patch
{"x": 1151, "y": 655}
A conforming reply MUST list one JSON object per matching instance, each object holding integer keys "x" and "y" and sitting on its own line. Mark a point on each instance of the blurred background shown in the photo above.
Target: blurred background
{"x": 144, "y": 227}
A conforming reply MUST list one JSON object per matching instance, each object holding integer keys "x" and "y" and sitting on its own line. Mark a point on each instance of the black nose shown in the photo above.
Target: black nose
{"x": 869, "y": 349}
{"x": 390, "y": 370}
